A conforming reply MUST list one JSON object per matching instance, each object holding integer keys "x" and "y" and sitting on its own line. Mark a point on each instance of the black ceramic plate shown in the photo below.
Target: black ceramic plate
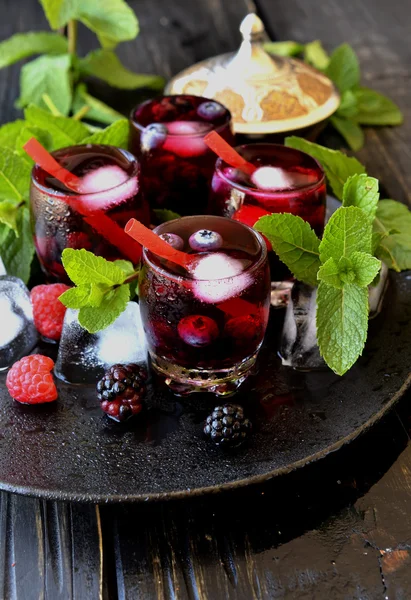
{"x": 70, "y": 451}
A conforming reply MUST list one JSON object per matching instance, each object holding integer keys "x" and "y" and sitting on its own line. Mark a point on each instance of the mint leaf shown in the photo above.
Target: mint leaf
{"x": 316, "y": 56}
{"x": 63, "y": 131}
{"x": 84, "y": 267}
{"x": 395, "y": 251}
{"x": 362, "y": 191}
{"x": 8, "y": 214}
{"x": 23, "y": 45}
{"x": 374, "y": 108}
{"x": 347, "y": 231}
{"x": 348, "y": 105}
{"x": 106, "y": 65}
{"x": 337, "y": 166}
{"x": 59, "y": 12}
{"x": 111, "y": 20}
{"x": 330, "y": 274}
{"x": 350, "y": 131}
{"x": 113, "y": 304}
{"x": 295, "y": 243}
{"x": 98, "y": 111}
{"x": 342, "y": 324}
{"x": 17, "y": 251}
{"x": 286, "y": 48}
{"x": 14, "y": 177}
{"x": 343, "y": 68}
{"x": 27, "y": 133}
{"x": 366, "y": 268}
{"x": 46, "y": 75}
{"x": 89, "y": 294}
{"x": 164, "y": 214}
{"x": 125, "y": 265}
{"x": 114, "y": 135}
{"x": 392, "y": 215}
{"x": 9, "y": 133}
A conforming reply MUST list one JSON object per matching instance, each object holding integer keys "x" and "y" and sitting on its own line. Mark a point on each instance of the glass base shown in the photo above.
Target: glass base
{"x": 183, "y": 381}
{"x": 280, "y": 293}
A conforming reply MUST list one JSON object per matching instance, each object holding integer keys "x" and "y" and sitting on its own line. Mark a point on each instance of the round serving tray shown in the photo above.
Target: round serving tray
{"x": 69, "y": 450}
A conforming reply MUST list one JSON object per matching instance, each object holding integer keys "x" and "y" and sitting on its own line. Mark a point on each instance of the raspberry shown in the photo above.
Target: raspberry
{"x": 244, "y": 329}
{"x": 121, "y": 391}
{"x": 198, "y": 330}
{"x": 48, "y": 311}
{"x": 30, "y": 381}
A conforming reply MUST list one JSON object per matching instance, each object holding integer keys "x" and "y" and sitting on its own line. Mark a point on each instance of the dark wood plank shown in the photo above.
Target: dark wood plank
{"x": 49, "y": 550}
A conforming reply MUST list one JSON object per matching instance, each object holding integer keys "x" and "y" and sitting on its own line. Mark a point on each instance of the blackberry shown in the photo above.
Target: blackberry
{"x": 121, "y": 391}
{"x": 227, "y": 426}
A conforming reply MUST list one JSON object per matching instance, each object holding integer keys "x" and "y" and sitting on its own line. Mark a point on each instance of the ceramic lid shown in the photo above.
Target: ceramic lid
{"x": 265, "y": 94}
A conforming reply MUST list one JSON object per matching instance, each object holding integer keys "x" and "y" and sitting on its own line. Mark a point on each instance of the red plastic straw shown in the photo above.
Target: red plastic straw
{"x": 227, "y": 153}
{"x": 155, "y": 244}
{"x": 43, "y": 158}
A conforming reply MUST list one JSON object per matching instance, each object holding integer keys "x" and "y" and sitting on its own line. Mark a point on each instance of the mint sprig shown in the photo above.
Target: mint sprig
{"x": 102, "y": 287}
{"x": 359, "y": 105}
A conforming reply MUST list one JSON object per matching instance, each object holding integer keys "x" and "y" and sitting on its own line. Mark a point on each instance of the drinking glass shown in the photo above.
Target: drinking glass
{"x": 93, "y": 219}
{"x": 167, "y": 135}
{"x": 205, "y": 327}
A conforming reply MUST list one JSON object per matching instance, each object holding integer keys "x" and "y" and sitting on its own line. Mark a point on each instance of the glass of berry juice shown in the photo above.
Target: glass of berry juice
{"x": 92, "y": 217}
{"x": 167, "y": 134}
{"x": 205, "y": 326}
{"x": 285, "y": 181}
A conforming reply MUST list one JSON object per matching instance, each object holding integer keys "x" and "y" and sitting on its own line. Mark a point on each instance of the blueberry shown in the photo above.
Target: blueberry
{"x": 210, "y": 110}
{"x": 205, "y": 239}
{"x": 197, "y": 330}
{"x": 153, "y": 136}
{"x": 173, "y": 239}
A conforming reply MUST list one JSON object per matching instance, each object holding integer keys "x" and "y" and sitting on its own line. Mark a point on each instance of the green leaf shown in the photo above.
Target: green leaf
{"x": 348, "y": 231}
{"x": 348, "y": 105}
{"x": 366, "y": 268}
{"x": 393, "y": 216}
{"x": 14, "y": 177}
{"x": 84, "y": 267}
{"x": 295, "y": 243}
{"x": 23, "y": 45}
{"x": 59, "y": 12}
{"x": 342, "y": 324}
{"x": 164, "y": 214}
{"x": 343, "y": 68}
{"x": 17, "y": 251}
{"x": 377, "y": 238}
{"x": 286, "y": 48}
{"x": 112, "y": 20}
{"x": 350, "y": 131}
{"x": 89, "y": 294}
{"x": 316, "y": 56}
{"x": 125, "y": 265}
{"x": 47, "y": 75}
{"x": 27, "y": 133}
{"x": 337, "y": 166}
{"x": 395, "y": 251}
{"x": 63, "y": 131}
{"x": 8, "y": 214}
{"x": 114, "y": 135}
{"x": 113, "y": 304}
{"x": 98, "y": 111}
{"x": 106, "y": 65}
{"x": 374, "y": 108}
{"x": 330, "y": 274}
{"x": 10, "y": 132}
{"x": 362, "y": 191}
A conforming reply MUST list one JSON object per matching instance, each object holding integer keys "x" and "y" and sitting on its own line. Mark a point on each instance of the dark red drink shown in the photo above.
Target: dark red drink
{"x": 167, "y": 134}
{"x": 286, "y": 181}
{"x": 92, "y": 218}
{"x": 205, "y": 327}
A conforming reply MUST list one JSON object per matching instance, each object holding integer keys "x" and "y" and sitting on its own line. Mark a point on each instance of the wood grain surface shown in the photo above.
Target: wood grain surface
{"x": 339, "y": 529}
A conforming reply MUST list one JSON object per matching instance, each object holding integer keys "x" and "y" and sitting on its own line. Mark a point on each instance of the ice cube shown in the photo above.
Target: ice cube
{"x": 276, "y": 178}
{"x": 83, "y": 357}
{"x": 298, "y": 347}
{"x": 105, "y": 187}
{"x": 186, "y": 138}
{"x": 219, "y": 277}
{"x": 2, "y": 268}
{"x": 18, "y": 336}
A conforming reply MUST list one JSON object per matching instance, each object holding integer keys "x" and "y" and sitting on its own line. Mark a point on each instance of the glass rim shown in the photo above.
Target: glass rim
{"x": 141, "y": 127}
{"x": 179, "y": 278}
{"x": 220, "y": 164}
{"x": 59, "y": 193}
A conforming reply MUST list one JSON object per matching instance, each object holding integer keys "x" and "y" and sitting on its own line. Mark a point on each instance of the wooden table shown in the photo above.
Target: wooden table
{"x": 337, "y": 529}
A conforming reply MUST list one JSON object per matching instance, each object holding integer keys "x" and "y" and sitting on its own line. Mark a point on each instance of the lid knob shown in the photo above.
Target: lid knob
{"x": 252, "y": 28}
